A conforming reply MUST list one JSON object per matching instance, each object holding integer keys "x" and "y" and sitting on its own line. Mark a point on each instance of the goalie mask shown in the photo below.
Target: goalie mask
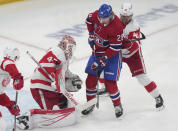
{"x": 68, "y": 45}
{"x": 12, "y": 53}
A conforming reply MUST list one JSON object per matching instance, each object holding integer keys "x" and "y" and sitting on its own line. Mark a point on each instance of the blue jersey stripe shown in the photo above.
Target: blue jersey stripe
{"x": 115, "y": 96}
{"x": 91, "y": 91}
{"x": 116, "y": 46}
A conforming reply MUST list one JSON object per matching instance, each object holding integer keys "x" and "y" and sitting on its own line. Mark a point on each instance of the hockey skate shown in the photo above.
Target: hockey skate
{"x": 23, "y": 122}
{"x": 159, "y": 103}
{"x": 88, "y": 110}
{"x": 118, "y": 110}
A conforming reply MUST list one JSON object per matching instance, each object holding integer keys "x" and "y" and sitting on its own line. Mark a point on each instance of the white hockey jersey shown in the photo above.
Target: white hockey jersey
{"x": 51, "y": 61}
{"x": 131, "y": 31}
{"x": 8, "y": 70}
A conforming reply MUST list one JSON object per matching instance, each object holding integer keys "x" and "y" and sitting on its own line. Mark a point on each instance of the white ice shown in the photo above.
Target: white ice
{"x": 2, "y": 124}
{"x": 27, "y": 24}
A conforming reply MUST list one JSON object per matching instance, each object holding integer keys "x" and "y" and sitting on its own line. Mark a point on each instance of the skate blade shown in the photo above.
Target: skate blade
{"x": 121, "y": 117}
{"x": 160, "y": 108}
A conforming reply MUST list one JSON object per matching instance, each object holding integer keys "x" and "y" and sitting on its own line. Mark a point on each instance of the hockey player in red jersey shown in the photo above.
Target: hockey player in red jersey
{"x": 105, "y": 38}
{"x": 54, "y": 111}
{"x": 8, "y": 71}
{"x": 132, "y": 54}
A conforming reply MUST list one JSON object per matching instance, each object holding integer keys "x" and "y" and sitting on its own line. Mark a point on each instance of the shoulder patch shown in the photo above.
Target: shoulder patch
{"x": 131, "y": 27}
{"x": 59, "y": 53}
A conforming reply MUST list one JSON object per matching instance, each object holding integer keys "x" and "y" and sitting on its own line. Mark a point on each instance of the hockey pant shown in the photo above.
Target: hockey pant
{"x": 47, "y": 99}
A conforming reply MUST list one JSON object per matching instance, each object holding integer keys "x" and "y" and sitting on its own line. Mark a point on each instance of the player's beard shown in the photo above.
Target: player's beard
{"x": 126, "y": 20}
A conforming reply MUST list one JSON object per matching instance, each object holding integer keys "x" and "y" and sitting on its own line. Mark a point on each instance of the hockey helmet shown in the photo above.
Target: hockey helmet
{"x": 11, "y": 53}
{"x": 68, "y": 45}
{"x": 105, "y": 11}
{"x": 126, "y": 9}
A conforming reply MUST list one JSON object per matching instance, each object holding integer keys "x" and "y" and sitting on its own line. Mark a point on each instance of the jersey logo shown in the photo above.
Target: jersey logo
{"x": 6, "y": 82}
{"x": 100, "y": 41}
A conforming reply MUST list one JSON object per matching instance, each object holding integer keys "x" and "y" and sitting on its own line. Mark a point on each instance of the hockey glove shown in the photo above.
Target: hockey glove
{"x": 103, "y": 61}
{"x": 129, "y": 49}
{"x": 94, "y": 66}
{"x": 13, "y": 108}
{"x": 18, "y": 82}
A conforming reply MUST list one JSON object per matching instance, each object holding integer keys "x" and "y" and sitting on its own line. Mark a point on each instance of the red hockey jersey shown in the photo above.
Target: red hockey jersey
{"x": 108, "y": 38}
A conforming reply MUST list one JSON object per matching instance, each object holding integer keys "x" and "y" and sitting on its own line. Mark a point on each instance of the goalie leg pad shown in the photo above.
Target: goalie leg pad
{"x": 38, "y": 118}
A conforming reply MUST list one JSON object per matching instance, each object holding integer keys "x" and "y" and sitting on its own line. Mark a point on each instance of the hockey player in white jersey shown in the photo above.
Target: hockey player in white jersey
{"x": 132, "y": 54}
{"x": 8, "y": 71}
{"x": 54, "y": 111}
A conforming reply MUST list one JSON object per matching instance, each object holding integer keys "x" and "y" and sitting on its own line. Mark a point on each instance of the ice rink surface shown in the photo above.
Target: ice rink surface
{"x": 36, "y": 25}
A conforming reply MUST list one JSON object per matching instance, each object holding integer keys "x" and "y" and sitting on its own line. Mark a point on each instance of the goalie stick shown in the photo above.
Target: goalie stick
{"x": 66, "y": 93}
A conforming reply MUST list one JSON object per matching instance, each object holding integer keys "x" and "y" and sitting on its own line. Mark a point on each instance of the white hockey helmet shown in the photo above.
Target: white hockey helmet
{"x": 11, "y": 53}
{"x": 126, "y": 9}
{"x": 68, "y": 45}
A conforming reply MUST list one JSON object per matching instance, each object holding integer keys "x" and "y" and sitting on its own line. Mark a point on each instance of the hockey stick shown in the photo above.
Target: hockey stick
{"x": 16, "y": 97}
{"x": 142, "y": 38}
{"x": 97, "y": 88}
{"x": 66, "y": 93}
{"x": 97, "y": 77}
